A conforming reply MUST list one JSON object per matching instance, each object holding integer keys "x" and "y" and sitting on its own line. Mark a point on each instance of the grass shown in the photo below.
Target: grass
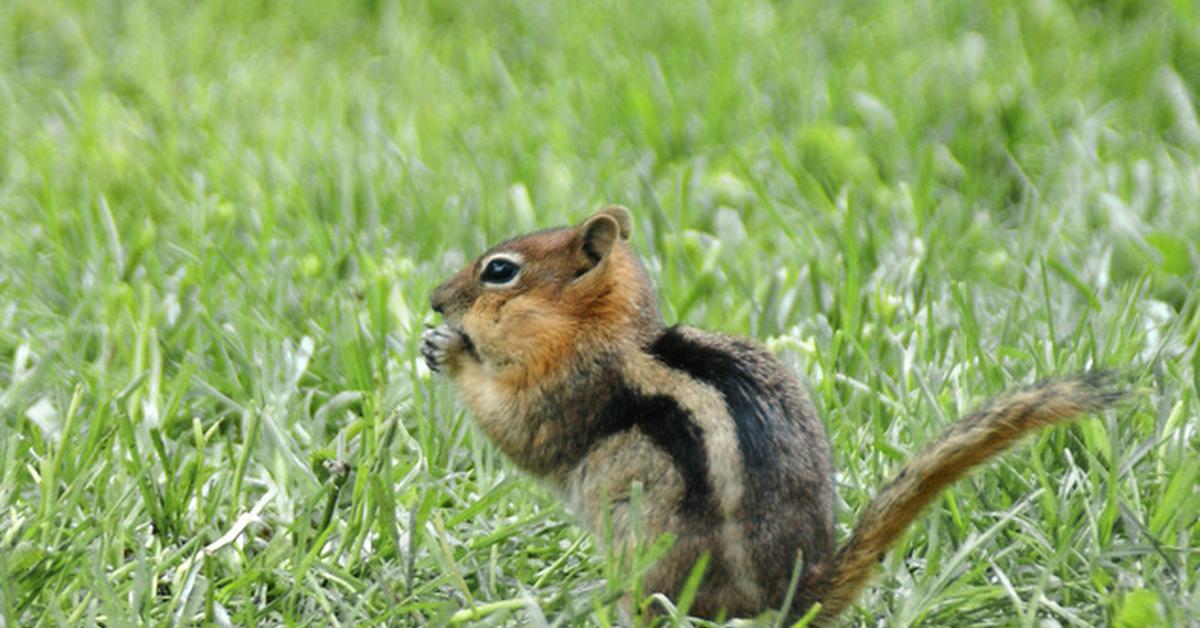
{"x": 220, "y": 223}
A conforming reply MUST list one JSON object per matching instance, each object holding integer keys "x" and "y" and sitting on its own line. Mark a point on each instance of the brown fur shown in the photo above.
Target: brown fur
{"x": 569, "y": 369}
{"x": 966, "y": 444}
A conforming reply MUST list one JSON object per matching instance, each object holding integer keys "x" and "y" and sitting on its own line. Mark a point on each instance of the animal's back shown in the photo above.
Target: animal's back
{"x": 787, "y": 497}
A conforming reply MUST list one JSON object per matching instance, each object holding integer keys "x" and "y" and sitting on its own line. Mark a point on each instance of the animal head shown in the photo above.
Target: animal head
{"x": 552, "y": 291}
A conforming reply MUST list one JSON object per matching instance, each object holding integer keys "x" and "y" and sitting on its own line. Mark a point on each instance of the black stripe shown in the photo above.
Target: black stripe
{"x": 671, "y": 429}
{"x": 753, "y": 409}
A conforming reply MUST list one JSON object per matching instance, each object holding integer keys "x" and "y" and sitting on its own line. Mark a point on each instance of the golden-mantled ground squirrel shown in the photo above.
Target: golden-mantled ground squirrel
{"x": 557, "y": 346}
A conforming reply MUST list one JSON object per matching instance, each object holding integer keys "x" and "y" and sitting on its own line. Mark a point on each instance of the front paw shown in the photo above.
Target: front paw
{"x": 440, "y": 345}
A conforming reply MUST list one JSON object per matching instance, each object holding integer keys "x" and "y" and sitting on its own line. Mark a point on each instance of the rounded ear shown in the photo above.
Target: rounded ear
{"x": 622, "y": 216}
{"x": 597, "y": 236}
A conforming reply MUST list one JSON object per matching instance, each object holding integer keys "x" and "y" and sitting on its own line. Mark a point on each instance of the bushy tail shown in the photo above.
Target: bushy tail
{"x": 969, "y": 442}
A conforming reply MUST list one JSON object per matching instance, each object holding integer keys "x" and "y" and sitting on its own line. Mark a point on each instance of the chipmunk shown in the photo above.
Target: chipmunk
{"x": 555, "y": 341}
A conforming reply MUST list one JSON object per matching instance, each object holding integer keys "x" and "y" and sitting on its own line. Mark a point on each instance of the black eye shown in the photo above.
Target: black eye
{"x": 499, "y": 271}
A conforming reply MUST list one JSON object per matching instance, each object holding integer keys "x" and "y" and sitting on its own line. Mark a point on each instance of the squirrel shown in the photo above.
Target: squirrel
{"x": 556, "y": 344}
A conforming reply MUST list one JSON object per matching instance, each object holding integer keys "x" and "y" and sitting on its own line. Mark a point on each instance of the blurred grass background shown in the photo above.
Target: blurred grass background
{"x": 220, "y": 223}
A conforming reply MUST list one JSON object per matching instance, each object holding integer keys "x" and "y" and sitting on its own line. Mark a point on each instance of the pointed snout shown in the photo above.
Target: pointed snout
{"x": 453, "y": 297}
{"x": 440, "y": 300}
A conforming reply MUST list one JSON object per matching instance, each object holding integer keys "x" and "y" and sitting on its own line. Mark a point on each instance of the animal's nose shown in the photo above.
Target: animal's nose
{"x": 439, "y": 300}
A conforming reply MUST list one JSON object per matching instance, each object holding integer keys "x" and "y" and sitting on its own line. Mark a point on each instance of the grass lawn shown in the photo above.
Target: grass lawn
{"x": 220, "y": 223}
